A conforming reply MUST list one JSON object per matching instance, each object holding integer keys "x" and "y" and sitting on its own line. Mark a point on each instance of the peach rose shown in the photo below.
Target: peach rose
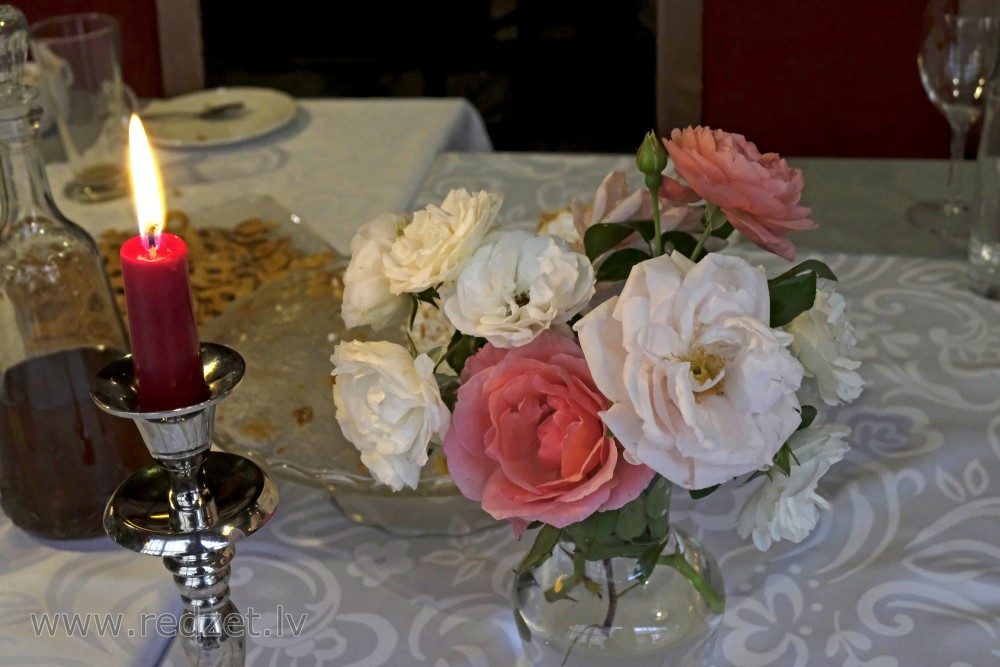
{"x": 758, "y": 193}
{"x": 527, "y": 441}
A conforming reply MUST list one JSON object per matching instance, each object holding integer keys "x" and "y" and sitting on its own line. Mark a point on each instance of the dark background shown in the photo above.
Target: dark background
{"x": 798, "y": 77}
{"x": 547, "y": 75}
{"x": 836, "y": 78}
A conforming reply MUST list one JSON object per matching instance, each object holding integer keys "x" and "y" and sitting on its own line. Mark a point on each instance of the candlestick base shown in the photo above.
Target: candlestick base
{"x": 138, "y": 516}
{"x": 193, "y": 505}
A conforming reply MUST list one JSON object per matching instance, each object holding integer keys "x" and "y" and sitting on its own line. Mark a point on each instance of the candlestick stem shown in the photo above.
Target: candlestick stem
{"x": 192, "y": 507}
{"x": 211, "y": 628}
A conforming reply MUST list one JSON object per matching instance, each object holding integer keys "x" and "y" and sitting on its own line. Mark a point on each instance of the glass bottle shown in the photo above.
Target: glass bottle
{"x": 61, "y": 457}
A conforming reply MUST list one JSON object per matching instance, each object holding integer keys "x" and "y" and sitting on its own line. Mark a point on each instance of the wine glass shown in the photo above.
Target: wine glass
{"x": 957, "y": 56}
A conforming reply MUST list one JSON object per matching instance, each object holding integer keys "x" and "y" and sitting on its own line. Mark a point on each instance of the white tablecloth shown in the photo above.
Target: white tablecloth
{"x": 337, "y": 164}
{"x": 901, "y": 571}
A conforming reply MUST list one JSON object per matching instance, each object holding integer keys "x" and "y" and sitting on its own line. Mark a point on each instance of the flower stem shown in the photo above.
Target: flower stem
{"x": 716, "y": 601}
{"x": 701, "y": 243}
{"x": 609, "y": 618}
{"x": 657, "y": 234}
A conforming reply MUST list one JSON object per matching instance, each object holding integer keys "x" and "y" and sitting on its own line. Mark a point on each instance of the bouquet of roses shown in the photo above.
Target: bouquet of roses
{"x": 582, "y": 379}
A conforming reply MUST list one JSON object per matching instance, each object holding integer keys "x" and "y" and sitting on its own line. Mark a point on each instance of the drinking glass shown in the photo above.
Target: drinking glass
{"x": 957, "y": 56}
{"x": 984, "y": 241}
{"x": 79, "y": 57}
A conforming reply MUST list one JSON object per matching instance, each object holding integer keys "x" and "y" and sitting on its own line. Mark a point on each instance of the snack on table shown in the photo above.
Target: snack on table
{"x": 225, "y": 263}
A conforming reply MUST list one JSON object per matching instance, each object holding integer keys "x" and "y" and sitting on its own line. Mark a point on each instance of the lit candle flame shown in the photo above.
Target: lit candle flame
{"x": 147, "y": 186}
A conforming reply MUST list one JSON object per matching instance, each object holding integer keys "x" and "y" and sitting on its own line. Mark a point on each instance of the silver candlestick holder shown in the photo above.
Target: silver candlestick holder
{"x": 193, "y": 505}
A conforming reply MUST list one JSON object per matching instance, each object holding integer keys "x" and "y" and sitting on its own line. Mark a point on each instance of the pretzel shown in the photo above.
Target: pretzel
{"x": 225, "y": 264}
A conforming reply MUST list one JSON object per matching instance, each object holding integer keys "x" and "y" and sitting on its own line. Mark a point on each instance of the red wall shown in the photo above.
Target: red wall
{"x": 140, "y": 45}
{"x": 820, "y": 77}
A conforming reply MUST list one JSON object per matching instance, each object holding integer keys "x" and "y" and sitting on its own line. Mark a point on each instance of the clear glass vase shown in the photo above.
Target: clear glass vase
{"x": 616, "y": 616}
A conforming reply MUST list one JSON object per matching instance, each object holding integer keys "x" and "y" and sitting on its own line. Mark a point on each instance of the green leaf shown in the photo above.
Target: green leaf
{"x": 791, "y": 297}
{"x": 632, "y": 522}
{"x": 449, "y": 390}
{"x": 522, "y": 626}
{"x": 545, "y": 541}
{"x": 604, "y": 523}
{"x": 809, "y": 265}
{"x": 460, "y": 348}
{"x": 783, "y": 459}
{"x": 714, "y": 218}
{"x": 411, "y": 347}
{"x": 579, "y": 564}
{"x": 644, "y": 227}
{"x": 593, "y": 587}
{"x": 562, "y": 588}
{"x": 595, "y": 537}
{"x": 723, "y": 232}
{"x": 715, "y": 600}
{"x": 614, "y": 549}
{"x": 698, "y": 494}
{"x": 682, "y": 242}
{"x": 794, "y": 291}
{"x": 604, "y": 236}
{"x": 566, "y": 582}
{"x": 414, "y": 304}
{"x": 619, "y": 264}
{"x": 436, "y": 354}
{"x": 647, "y": 561}
{"x": 808, "y": 415}
{"x": 429, "y": 295}
{"x": 578, "y": 534}
{"x": 657, "y": 498}
{"x": 658, "y": 528}
{"x": 518, "y": 584}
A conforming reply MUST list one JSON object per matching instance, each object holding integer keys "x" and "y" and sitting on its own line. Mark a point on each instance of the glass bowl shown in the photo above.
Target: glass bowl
{"x": 282, "y": 415}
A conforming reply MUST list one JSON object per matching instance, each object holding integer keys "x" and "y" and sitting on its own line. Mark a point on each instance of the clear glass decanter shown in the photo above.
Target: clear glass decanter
{"x": 61, "y": 457}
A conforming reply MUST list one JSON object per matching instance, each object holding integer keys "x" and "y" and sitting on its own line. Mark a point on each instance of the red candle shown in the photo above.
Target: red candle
{"x": 164, "y": 336}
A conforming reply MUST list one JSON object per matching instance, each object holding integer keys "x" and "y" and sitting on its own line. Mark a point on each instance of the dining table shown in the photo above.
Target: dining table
{"x": 901, "y": 570}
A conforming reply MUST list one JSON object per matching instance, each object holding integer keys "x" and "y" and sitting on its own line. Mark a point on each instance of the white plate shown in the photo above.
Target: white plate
{"x": 265, "y": 110}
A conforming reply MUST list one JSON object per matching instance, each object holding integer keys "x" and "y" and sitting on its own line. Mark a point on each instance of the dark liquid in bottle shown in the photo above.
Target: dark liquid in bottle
{"x": 61, "y": 457}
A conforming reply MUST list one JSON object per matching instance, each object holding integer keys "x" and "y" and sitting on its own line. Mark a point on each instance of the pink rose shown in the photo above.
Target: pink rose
{"x": 526, "y": 439}
{"x": 758, "y": 193}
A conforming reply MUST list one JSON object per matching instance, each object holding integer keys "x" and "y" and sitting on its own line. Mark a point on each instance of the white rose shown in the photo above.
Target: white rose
{"x": 787, "y": 506}
{"x": 517, "y": 286}
{"x": 824, "y": 342}
{"x": 703, "y": 389}
{"x": 435, "y": 246}
{"x": 367, "y": 299}
{"x": 389, "y": 406}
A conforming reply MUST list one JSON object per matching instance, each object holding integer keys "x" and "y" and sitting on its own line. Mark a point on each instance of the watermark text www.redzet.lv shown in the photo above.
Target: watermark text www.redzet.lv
{"x": 249, "y": 624}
